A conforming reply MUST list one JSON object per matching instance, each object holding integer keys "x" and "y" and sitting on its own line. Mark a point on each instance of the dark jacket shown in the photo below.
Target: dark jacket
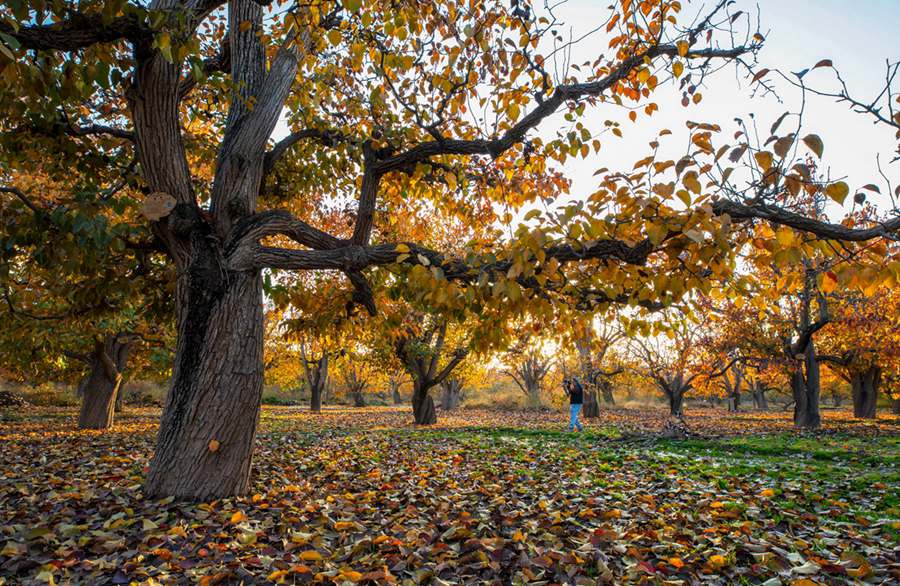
{"x": 576, "y": 392}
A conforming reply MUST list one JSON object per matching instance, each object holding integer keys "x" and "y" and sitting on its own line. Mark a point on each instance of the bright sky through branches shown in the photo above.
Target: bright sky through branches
{"x": 856, "y": 36}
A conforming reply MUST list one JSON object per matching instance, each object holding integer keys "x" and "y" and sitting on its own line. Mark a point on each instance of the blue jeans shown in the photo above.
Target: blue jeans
{"x": 573, "y": 418}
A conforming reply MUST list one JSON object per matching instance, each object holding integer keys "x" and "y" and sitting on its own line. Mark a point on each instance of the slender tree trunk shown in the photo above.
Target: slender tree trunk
{"x": 423, "y": 405}
{"x": 100, "y": 388}
{"x": 208, "y": 426}
{"x": 806, "y": 391}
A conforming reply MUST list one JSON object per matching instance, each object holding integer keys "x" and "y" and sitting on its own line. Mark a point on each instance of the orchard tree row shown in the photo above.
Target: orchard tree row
{"x": 146, "y": 197}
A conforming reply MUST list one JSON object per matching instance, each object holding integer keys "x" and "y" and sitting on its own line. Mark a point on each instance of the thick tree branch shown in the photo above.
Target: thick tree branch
{"x": 563, "y": 93}
{"x": 777, "y": 215}
{"x": 21, "y": 197}
{"x": 325, "y": 137}
{"x": 77, "y": 32}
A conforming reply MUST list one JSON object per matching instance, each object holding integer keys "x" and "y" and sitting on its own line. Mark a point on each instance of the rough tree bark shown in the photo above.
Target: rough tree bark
{"x": 100, "y": 387}
{"x": 209, "y": 421}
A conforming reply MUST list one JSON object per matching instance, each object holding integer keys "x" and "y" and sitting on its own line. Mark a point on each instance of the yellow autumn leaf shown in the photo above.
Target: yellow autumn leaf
{"x": 838, "y": 191}
{"x": 717, "y": 561}
{"x": 764, "y": 159}
{"x": 311, "y": 556}
{"x": 335, "y": 37}
{"x": 238, "y": 517}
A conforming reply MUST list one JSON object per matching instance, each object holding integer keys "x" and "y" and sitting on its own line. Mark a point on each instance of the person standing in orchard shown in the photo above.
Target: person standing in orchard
{"x": 575, "y": 392}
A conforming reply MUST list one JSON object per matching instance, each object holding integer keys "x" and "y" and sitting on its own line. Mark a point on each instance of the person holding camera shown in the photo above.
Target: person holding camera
{"x": 575, "y": 392}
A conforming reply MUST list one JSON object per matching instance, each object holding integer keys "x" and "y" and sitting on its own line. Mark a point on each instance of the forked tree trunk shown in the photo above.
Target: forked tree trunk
{"x": 208, "y": 426}
{"x": 865, "y": 385}
{"x": 450, "y": 394}
{"x": 100, "y": 388}
{"x": 424, "y": 412}
{"x": 359, "y": 400}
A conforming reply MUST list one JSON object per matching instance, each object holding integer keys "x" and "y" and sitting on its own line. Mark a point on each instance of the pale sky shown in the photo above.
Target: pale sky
{"x": 856, "y": 35}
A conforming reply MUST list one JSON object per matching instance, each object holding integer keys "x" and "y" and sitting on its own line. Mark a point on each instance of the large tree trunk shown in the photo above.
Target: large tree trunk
{"x": 423, "y": 406}
{"x": 895, "y": 405}
{"x": 450, "y": 395}
{"x": 100, "y": 388}
{"x": 864, "y": 385}
{"x": 208, "y": 425}
{"x": 359, "y": 400}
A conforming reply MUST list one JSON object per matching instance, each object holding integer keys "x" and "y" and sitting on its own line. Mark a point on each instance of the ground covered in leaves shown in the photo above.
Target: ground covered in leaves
{"x": 353, "y": 496}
